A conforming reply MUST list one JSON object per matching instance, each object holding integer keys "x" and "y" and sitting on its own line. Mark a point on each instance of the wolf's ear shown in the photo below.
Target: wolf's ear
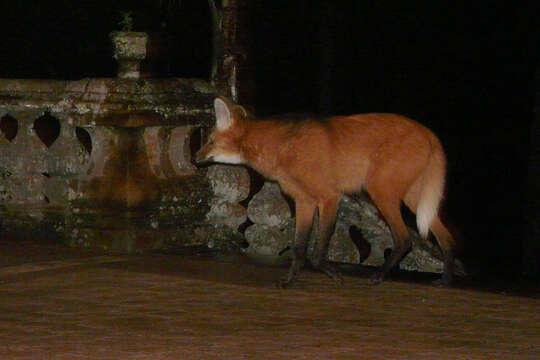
{"x": 224, "y": 118}
{"x": 240, "y": 113}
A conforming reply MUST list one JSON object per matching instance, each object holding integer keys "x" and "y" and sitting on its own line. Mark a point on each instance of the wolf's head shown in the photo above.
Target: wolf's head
{"x": 223, "y": 144}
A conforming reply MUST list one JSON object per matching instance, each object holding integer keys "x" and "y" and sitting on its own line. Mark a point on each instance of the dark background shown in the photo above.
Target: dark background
{"x": 464, "y": 70}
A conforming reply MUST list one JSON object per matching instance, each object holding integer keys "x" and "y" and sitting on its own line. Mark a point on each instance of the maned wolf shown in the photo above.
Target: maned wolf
{"x": 316, "y": 161}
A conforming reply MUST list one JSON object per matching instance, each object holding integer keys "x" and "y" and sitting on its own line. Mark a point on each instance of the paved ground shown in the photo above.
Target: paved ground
{"x": 59, "y": 303}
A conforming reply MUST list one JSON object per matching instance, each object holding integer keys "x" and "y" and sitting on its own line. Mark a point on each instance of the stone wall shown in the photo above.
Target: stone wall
{"x": 107, "y": 162}
{"x": 361, "y": 236}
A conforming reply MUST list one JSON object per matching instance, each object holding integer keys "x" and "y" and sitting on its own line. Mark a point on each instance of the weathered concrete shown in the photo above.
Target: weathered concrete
{"x": 230, "y": 185}
{"x": 268, "y": 207}
{"x": 360, "y": 236}
{"x": 112, "y": 102}
{"x": 106, "y": 159}
{"x": 129, "y": 49}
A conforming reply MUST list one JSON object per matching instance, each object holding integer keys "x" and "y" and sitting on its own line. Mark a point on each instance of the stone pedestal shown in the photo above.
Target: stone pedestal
{"x": 129, "y": 49}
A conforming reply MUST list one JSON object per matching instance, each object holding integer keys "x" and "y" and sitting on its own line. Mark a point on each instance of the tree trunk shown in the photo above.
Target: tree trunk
{"x": 232, "y": 73}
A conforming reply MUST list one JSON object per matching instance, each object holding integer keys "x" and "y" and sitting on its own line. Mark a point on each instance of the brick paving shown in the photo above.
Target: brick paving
{"x": 60, "y": 303}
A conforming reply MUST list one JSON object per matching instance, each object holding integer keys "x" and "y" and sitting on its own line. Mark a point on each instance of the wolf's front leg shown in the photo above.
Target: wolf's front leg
{"x": 304, "y": 222}
{"x": 296, "y": 264}
{"x": 327, "y": 221}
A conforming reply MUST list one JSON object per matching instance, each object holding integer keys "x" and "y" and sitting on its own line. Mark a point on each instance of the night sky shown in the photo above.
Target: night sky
{"x": 464, "y": 70}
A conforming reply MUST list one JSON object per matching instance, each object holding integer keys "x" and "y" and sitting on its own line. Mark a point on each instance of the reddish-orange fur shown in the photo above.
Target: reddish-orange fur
{"x": 393, "y": 158}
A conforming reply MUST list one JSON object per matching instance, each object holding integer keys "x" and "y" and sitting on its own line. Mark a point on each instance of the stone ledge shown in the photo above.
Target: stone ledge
{"x": 114, "y": 102}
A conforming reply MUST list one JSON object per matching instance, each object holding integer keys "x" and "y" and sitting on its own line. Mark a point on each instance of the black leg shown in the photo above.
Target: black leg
{"x": 402, "y": 245}
{"x": 327, "y": 221}
{"x": 304, "y": 222}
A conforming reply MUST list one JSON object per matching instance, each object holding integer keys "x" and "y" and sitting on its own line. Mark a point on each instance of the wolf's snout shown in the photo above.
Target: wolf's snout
{"x": 200, "y": 157}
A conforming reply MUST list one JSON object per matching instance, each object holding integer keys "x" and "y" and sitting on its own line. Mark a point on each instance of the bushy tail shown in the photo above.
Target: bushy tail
{"x": 432, "y": 190}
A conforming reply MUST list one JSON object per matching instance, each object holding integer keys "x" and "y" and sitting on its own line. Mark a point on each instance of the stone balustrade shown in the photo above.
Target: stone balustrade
{"x": 105, "y": 162}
